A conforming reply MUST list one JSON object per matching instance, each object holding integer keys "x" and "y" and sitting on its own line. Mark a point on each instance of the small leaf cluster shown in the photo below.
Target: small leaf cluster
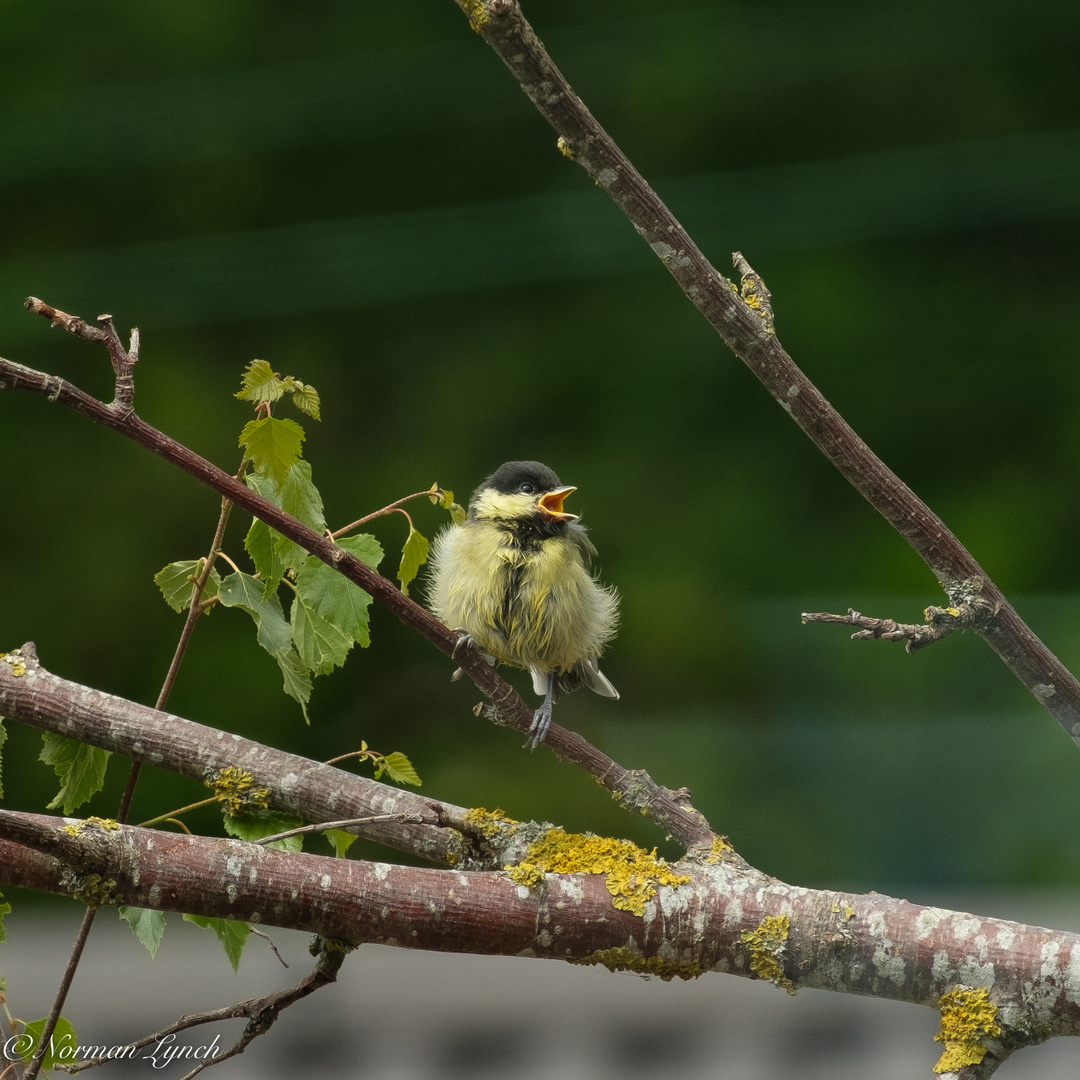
{"x": 323, "y": 615}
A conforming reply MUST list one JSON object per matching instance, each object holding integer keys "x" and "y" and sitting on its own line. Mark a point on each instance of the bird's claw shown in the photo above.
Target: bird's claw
{"x": 538, "y": 729}
{"x": 466, "y": 639}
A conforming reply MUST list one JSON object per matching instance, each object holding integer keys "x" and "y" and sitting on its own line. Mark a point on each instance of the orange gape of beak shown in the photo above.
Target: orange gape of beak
{"x": 551, "y": 504}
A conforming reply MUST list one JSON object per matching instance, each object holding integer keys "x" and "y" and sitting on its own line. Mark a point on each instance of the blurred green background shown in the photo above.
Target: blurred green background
{"x": 360, "y": 194}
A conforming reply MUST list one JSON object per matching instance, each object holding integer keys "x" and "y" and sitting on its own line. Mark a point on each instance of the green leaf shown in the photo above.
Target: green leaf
{"x": 306, "y": 399}
{"x": 232, "y": 935}
{"x": 445, "y": 498}
{"x": 80, "y": 768}
{"x": 399, "y": 768}
{"x": 147, "y": 925}
{"x": 272, "y": 446}
{"x": 261, "y": 539}
{"x": 62, "y": 1043}
{"x": 259, "y": 544}
{"x": 297, "y": 496}
{"x": 297, "y": 680}
{"x": 300, "y": 498}
{"x": 365, "y": 547}
{"x": 255, "y": 826}
{"x": 245, "y": 592}
{"x": 320, "y": 644}
{"x": 332, "y": 597}
{"x": 5, "y": 909}
{"x": 413, "y": 556}
{"x": 341, "y": 840}
{"x": 260, "y": 384}
{"x": 177, "y": 583}
{"x": 273, "y": 630}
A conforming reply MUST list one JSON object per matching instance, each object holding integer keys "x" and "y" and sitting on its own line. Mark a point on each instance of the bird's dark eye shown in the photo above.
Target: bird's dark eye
{"x": 526, "y": 488}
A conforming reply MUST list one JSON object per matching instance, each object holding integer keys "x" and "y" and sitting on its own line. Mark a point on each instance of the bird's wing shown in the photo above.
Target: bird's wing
{"x": 596, "y": 680}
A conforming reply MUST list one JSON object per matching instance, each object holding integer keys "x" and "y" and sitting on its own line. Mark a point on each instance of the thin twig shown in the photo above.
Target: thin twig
{"x": 61, "y": 994}
{"x": 261, "y": 1014}
{"x": 389, "y": 508}
{"x": 940, "y": 623}
{"x": 349, "y": 823}
{"x": 197, "y": 607}
{"x": 269, "y": 941}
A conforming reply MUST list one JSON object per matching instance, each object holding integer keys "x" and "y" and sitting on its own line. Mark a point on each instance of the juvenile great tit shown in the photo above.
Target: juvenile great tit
{"x": 515, "y": 578}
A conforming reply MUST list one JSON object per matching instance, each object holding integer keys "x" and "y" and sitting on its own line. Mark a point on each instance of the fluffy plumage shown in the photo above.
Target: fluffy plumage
{"x": 516, "y": 578}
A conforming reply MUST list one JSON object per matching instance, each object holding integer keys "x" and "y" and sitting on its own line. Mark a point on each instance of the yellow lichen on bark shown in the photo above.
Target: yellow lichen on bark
{"x": 237, "y": 792}
{"x": 633, "y": 874}
{"x": 766, "y": 945}
{"x": 968, "y": 1018}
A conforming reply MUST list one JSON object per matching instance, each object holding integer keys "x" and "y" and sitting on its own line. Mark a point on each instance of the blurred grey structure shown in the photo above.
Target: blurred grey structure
{"x": 401, "y": 1015}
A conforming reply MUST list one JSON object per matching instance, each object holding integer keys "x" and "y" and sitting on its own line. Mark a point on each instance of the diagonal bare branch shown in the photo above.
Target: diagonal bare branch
{"x": 745, "y": 324}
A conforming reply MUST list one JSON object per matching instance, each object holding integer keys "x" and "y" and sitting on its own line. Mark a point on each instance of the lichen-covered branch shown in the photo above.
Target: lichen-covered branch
{"x": 32, "y": 695}
{"x": 315, "y": 791}
{"x": 998, "y": 985}
{"x": 745, "y": 323}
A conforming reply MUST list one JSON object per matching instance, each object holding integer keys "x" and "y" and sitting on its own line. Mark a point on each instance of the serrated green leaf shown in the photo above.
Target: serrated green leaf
{"x": 272, "y": 446}
{"x": 147, "y": 925}
{"x": 245, "y": 592}
{"x": 300, "y": 498}
{"x": 260, "y": 384}
{"x": 261, "y": 539}
{"x": 297, "y": 680}
{"x": 62, "y": 1043}
{"x": 365, "y": 547}
{"x": 457, "y": 513}
{"x": 80, "y": 769}
{"x": 306, "y": 399}
{"x": 259, "y": 544}
{"x": 399, "y": 768}
{"x": 177, "y": 585}
{"x": 341, "y": 840}
{"x": 273, "y": 630}
{"x": 5, "y": 909}
{"x": 255, "y": 826}
{"x": 413, "y": 555}
{"x": 233, "y": 935}
{"x": 333, "y": 597}
{"x": 319, "y": 643}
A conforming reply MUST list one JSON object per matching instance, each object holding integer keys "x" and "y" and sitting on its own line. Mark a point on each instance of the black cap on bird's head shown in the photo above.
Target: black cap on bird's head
{"x": 531, "y": 483}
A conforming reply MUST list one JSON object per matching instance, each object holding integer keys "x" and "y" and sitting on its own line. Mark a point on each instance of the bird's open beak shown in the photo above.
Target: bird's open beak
{"x": 551, "y": 504}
